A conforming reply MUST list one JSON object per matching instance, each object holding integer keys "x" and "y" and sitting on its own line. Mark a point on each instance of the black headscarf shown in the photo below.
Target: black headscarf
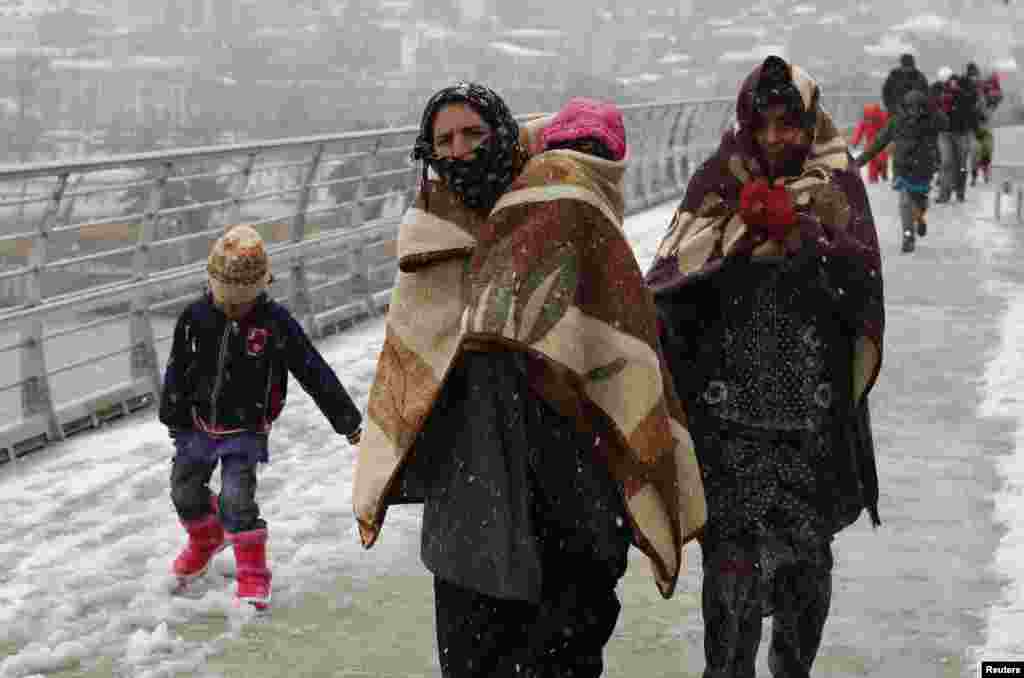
{"x": 481, "y": 179}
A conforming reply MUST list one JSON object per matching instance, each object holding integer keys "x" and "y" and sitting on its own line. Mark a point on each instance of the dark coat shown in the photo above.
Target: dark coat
{"x": 225, "y": 376}
{"x": 939, "y": 98}
{"x": 966, "y": 107}
{"x": 693, "y": 327}
{"x": 915, "y": 145}
{"x": 508, "y": 484}
{"x": 900, "y": 81}
{"x": 836, "y": 272}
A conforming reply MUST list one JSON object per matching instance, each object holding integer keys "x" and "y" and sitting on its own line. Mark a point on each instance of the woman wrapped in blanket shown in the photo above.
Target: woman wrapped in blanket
{"x": 533, "y": 465}
{"x": 769, "y": 286}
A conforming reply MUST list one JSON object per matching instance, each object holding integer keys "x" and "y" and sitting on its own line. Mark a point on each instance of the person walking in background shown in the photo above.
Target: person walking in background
{"x": 991, "y": 96}
{"x": 940, "y": 94}
{"x": 914, "y": 135}
{"x": 506, "y": 399}
{"x": 867, "y": 129}
{"x": 964, "y": 122}
{"x": 940, "y": 98}
{"x": 225, "y": 384}
{"x": 769, "y": 288}
{"x": 901, "y": 80}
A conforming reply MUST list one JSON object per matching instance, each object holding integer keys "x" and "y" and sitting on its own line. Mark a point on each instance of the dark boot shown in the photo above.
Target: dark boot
{"x": 961, "y": 186}
{"x": 908, "y": 240}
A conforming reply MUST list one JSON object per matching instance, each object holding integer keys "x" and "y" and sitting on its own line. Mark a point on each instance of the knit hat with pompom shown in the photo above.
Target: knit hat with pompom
{"x": 238, "y": 267}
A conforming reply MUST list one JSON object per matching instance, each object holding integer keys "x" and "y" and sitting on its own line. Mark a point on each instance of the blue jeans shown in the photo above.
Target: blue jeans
{"x": 196, "y": 457}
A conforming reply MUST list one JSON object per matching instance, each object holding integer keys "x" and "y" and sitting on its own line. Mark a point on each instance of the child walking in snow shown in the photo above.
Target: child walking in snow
{"x": 914, "y": 133}
{"x": 225, "y": 384}
{"x": 991, "y": 97}
{"x": 865, "y": 132}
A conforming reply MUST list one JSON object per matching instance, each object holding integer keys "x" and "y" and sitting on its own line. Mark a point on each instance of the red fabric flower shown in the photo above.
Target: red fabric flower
{"x": 766, "y": 209}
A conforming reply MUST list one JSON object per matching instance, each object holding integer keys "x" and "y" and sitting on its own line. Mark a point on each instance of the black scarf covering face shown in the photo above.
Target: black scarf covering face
{"x": 480, "y": 179}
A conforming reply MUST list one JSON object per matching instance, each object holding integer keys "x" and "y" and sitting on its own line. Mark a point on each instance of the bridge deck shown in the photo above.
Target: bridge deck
{"x": 88, "y": 531}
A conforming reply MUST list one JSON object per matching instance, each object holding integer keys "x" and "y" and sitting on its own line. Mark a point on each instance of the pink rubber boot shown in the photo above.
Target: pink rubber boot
{"x": 251, "y": 567}
{"x": 205, "y": 540}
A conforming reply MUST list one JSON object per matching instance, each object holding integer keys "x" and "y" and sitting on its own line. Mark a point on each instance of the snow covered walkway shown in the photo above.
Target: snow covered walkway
{"x": 87, "y": 531}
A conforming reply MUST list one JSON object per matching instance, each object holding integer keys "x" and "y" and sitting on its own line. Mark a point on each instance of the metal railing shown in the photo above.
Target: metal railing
{"x": 1007, "y": 181}
{"x": 97, "y": 256}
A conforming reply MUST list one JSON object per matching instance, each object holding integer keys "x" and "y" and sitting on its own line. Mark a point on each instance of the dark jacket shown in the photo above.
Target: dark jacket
{"x": 832, "y": 285}
{"x": 225, "y": 376}
{"x": 510, "y": 486}
{"x": 966, "y": 107}
{"x": 695, "y": 347}
{"x": 900, "y": 81}
{"x": 939, "y": 98}
{"x": 915, "y": 145}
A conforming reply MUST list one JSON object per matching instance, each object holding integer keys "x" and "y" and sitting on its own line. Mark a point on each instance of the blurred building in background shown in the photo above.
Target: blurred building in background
{"x": 84, "y": 76}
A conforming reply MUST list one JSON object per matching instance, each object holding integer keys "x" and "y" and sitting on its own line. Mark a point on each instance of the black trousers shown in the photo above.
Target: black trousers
{"x": 734, "y": 598}
{"x": 479, "y": 636}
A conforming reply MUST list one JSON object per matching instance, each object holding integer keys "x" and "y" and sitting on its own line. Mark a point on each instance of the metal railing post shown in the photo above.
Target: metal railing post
{"x": 144, "y": 362}
{"x": 369, "y": 167}
{"x": 635, "y": 144}
{"x": 36, "y": 391}
{"x": 647, "y": 162}
{"x": 663, "y": 150}
{"x": 728, "y": 115}
{"x": 686, "y": 157}
{"x": 234, "y": 213}
{"x": 360, "y": 286}
{"x": 415, "y": 176}
{"x": 357, "y": 263}
{"x": 298, "y": 293}
{"x": 672, "y": 154}
{"x": 652, "y": 148}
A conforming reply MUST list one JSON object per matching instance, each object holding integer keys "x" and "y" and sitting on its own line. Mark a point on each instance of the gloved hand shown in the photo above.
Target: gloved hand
{"x": 766, "y": 209}
{"x": 355, "y": 436}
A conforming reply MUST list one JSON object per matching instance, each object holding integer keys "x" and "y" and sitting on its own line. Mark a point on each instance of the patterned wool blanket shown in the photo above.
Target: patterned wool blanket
{"x": 421, "y": 339}
{"x": 435, "y": 239}
{"x": 832, "y": 211}
{"x": 551, "y": 274}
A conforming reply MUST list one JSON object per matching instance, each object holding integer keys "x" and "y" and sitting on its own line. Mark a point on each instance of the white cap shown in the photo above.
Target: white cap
{"x": 945, "y": 73}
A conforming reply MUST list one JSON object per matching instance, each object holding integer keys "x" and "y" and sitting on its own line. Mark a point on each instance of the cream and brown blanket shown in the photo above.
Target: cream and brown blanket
{"x": 549, "y": 273}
